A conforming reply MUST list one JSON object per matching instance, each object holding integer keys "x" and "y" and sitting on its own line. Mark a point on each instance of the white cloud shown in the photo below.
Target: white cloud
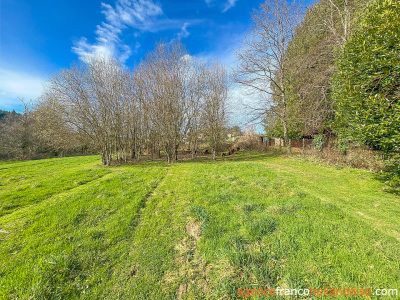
{"x": 228, "y": 5}
{"x": 125, "y": 13}
{"x": 133, "y": 13}
{"x": 141, "y": 15}
{"x": 184, "y": 32}
{"x": 14, "y": 85}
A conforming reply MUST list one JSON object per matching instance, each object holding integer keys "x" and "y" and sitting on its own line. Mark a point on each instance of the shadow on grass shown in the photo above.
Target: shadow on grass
{"x": 237, "y": 157}
{"x": 240, "y": 156}
{"x": 390, "y": 177}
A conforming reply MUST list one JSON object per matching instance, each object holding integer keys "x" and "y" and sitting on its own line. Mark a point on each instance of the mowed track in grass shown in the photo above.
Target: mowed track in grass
{"x": 192, "y": 230}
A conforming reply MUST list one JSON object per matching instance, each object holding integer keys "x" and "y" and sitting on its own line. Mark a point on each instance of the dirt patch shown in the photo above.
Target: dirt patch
{"x": 185, "y": 245}
{"x": 221, "y": 269}
{"x": 194, "y": 229}
{"x": 182, "y": 290}
{"x": 190, "y": 266}
{"x": 192, "y": 274}
{"x": 133, "y": 272}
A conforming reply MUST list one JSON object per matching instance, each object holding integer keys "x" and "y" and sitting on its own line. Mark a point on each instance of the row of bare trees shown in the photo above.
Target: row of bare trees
{"x": 170, "y": 101}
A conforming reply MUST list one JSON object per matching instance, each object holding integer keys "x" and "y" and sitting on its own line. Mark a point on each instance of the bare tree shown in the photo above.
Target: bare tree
{"x": 214, "y": 110}
{"x": 51, "y": 129}
{"x": 168, "y": 94}
{"x": 196, "y": 85}
{"x": 94, "y": 99}
{"x": 262, "y": 59}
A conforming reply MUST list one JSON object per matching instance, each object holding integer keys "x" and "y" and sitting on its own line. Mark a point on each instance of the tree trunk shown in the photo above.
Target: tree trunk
{"x": 133, "y": 155}
{"x": 286, "y": 138}
{"x": 214, "y": 153}
{"x": 176, "y": 152}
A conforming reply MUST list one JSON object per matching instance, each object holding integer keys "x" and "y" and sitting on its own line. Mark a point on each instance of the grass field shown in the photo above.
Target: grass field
{"x": 71, "y": 228}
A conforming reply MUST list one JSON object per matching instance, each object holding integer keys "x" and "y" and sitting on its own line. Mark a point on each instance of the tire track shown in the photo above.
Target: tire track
{"x": 38, "y": 204}
{"x": 143, "y": 203}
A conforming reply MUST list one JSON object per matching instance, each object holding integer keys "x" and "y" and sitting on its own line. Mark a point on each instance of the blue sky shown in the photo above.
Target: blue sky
{"x": 37, "y": 38}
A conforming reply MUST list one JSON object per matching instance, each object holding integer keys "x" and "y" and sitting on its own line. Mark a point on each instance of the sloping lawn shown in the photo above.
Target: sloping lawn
{"x": 70, "y": 228}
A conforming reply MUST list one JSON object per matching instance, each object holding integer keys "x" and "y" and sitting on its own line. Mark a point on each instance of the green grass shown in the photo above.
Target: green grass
{"x": 70, "y": 228}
